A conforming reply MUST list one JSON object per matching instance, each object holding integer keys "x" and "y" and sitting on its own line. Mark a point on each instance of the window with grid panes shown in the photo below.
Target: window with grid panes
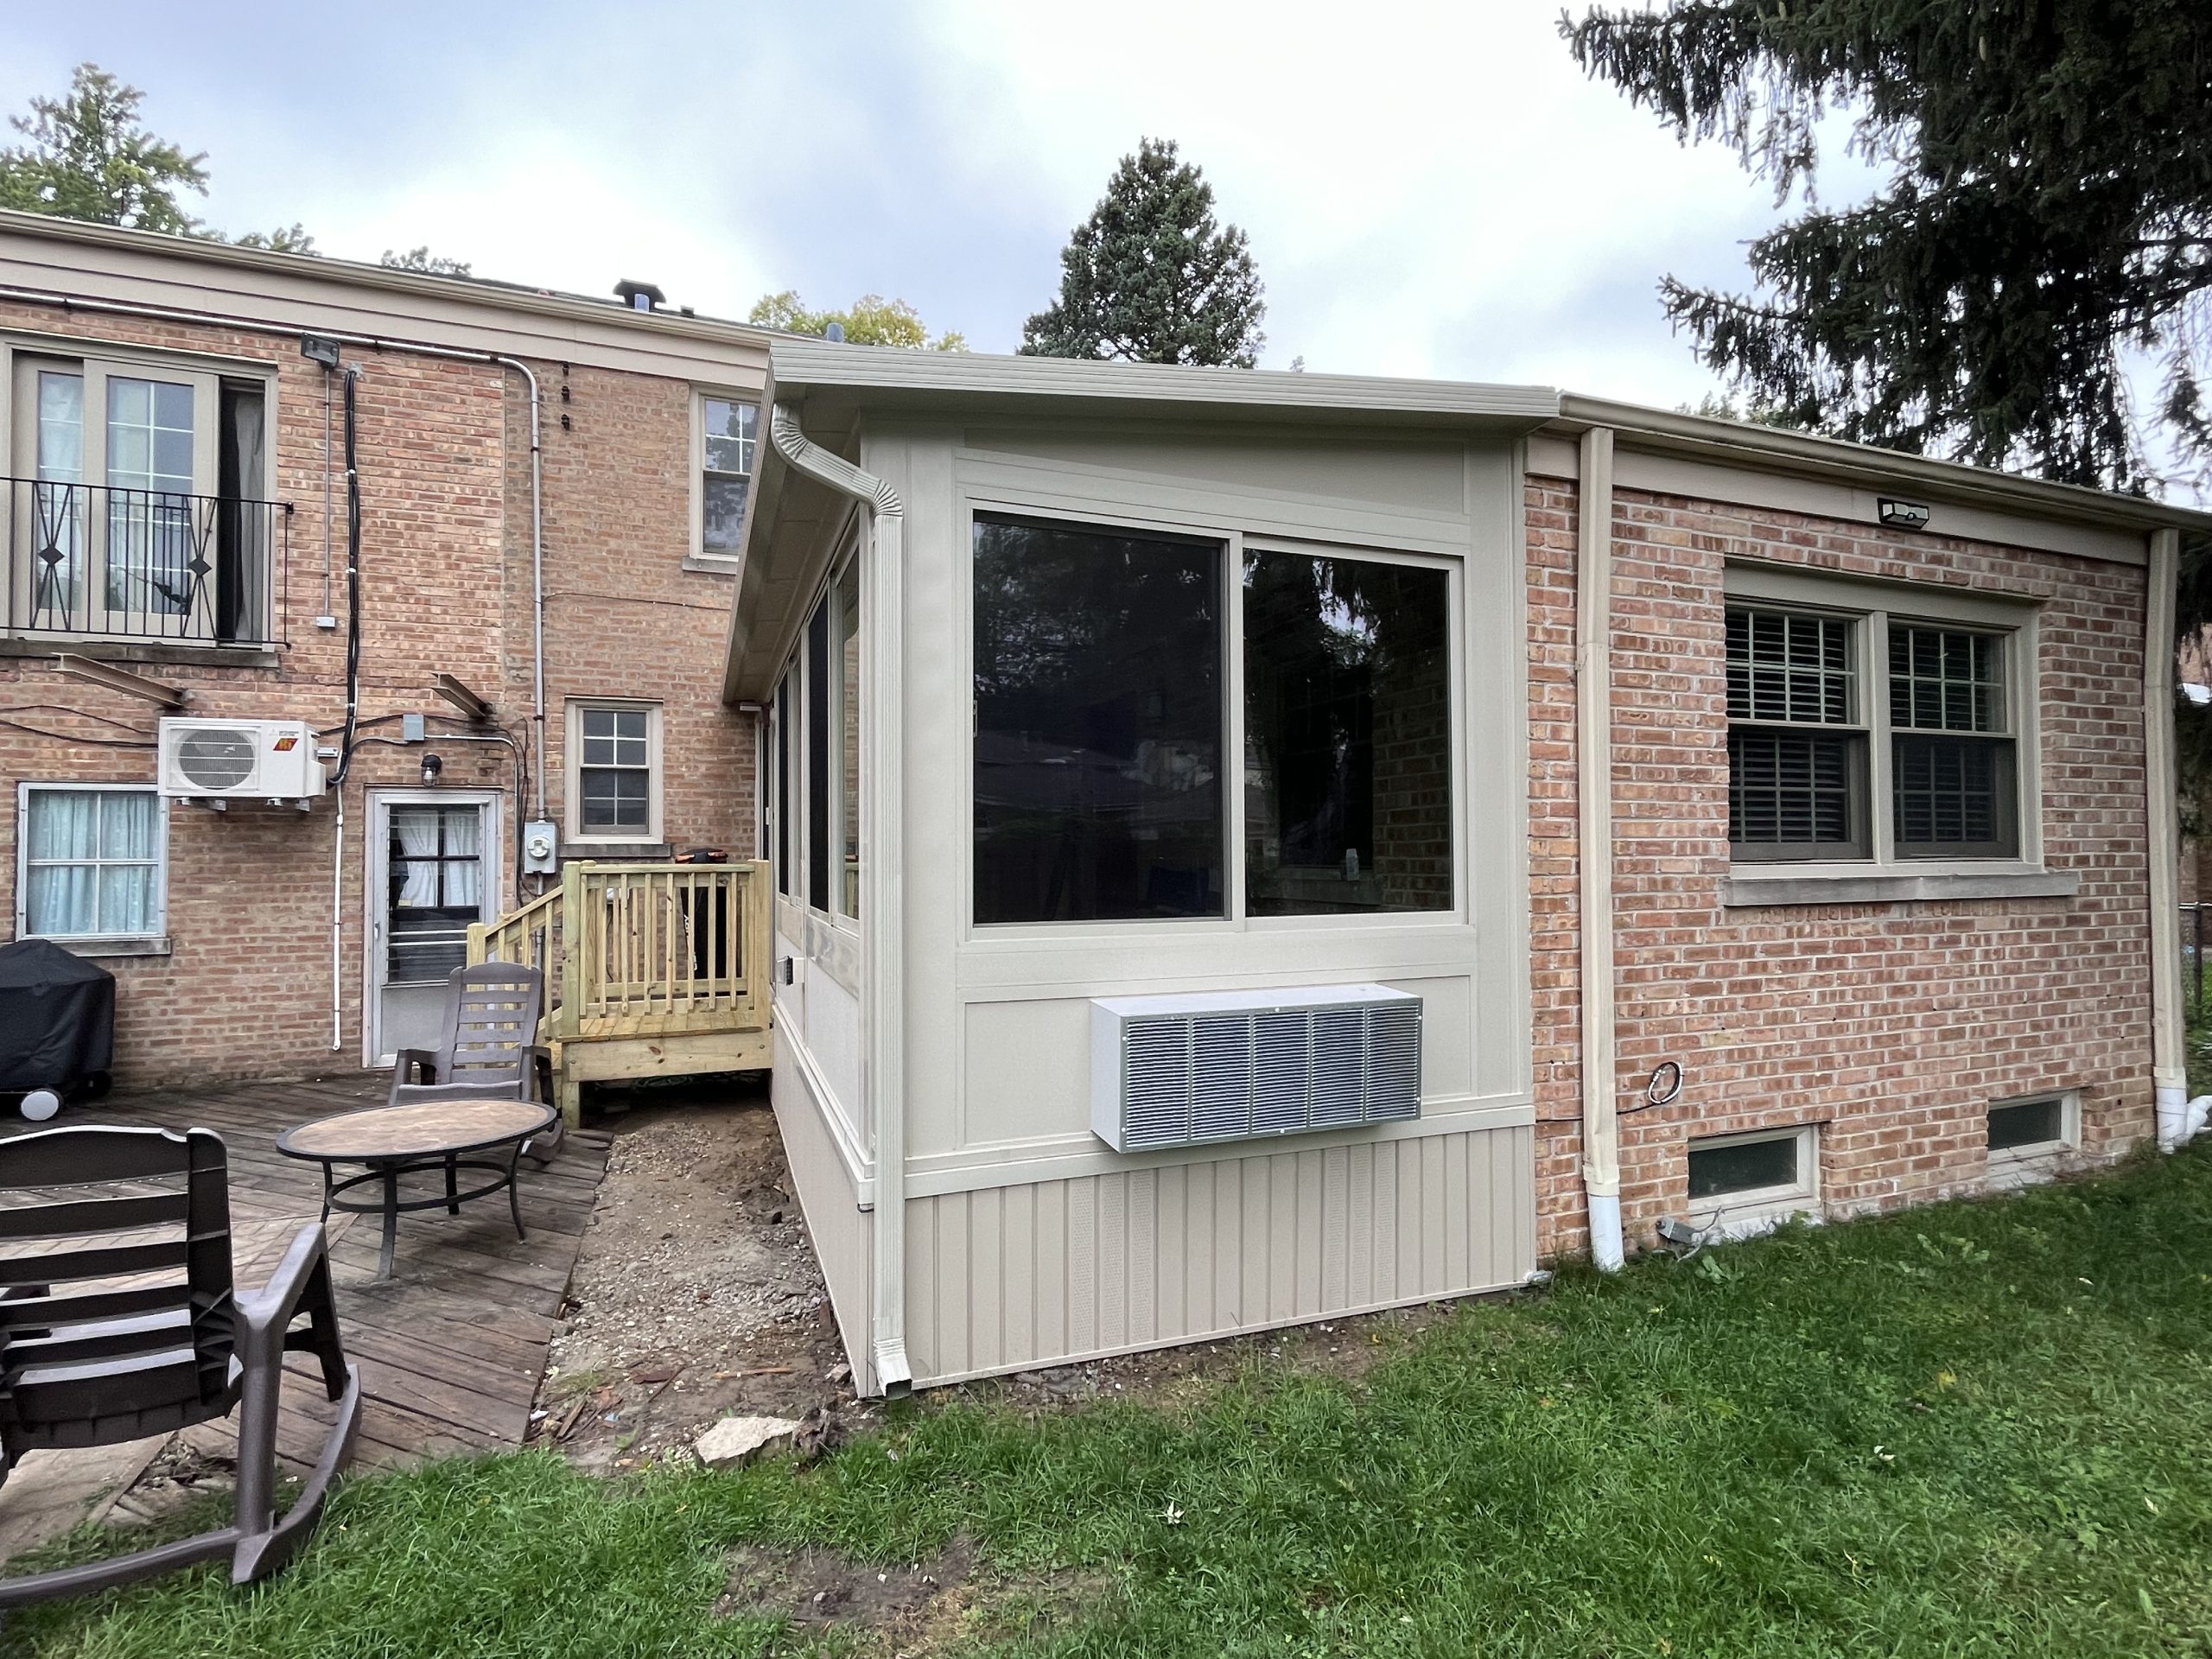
{"x": 615, "y": 776}
{"x": 1951, "y": 759}
{"x": 1796, "y": 736}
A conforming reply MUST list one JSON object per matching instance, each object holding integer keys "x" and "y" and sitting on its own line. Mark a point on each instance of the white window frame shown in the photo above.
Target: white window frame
{"x": 574, "y": 834}
{"x": 2037, "y": 1160}
{"x": 1871, "y": 606}
{"x": 152, "y": 942}
{"x": 1236, "y": 542}
{"x": 1758, "y": 1209}
{"x": 697, "y": 557}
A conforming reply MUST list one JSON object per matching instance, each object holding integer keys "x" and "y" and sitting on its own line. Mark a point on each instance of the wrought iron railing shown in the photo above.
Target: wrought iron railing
{"x": 104, "y": 562}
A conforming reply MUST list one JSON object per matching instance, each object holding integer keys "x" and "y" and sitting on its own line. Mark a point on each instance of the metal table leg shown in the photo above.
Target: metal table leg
{"x": 452, "y": 1183}
{"x": 390, "y": 1222}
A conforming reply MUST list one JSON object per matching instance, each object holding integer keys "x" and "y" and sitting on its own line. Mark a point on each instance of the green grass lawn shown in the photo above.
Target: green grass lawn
{"x": 1977, "y": 1428}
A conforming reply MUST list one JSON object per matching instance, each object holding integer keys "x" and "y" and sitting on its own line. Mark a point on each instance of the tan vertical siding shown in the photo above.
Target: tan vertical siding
{"x": 1004, "y": 1277}
{"x": 841, "y": 1230}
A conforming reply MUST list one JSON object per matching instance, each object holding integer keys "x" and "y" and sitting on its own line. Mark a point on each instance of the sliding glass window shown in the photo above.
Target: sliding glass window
{"x": 1099, "y": 720}
{"x": 1348, "y": 739}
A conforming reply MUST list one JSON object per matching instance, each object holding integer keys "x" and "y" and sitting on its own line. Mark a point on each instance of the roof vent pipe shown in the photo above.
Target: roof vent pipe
{"x": 639, "y": 297}
{"x": 835, "y": 333}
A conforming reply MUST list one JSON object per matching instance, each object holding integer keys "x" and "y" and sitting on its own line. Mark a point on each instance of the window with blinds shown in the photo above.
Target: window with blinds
{"x": 1951, "y": 747}
{"x": 1797, "y": 738}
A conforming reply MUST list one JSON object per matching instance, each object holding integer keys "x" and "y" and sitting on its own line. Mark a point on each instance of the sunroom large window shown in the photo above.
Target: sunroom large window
{"x": 1347, "y": 735}
{"x": 1098, "y": 723}
{"x": 1103, "y": 706}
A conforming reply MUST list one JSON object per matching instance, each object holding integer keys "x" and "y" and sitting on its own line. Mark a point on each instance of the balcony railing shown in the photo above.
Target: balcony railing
{"x": 95, "y": 561}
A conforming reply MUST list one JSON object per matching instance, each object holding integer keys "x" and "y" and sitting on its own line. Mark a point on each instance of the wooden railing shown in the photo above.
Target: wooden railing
{"x": 643, "y": 949}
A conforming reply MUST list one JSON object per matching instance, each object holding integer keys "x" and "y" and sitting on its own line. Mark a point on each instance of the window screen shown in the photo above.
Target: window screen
{"x": 1099, "y": 713}
{"x": 818, "y": 756}
{"x": 1797, "y": 750}
{"x": 1951, "y": 758}
{"x": 1347, "y": 735}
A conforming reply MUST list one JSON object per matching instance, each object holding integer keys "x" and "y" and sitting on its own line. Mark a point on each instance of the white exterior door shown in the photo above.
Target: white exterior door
{"x": 434, "y": 866}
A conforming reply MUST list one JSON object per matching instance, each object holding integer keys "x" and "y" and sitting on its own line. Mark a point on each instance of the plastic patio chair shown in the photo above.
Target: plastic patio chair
{"x": 489, "y": 1049}
{"x": 119, "y": 1319}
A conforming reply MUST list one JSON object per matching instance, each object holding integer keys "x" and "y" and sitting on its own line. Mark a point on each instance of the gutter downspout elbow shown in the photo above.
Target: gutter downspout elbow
{"x": 882, "y": 1013}
{"x": 1593, "y": 750}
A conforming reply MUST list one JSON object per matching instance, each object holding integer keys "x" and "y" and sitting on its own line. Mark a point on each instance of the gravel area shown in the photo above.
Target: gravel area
{"x": 696, "y": 1291}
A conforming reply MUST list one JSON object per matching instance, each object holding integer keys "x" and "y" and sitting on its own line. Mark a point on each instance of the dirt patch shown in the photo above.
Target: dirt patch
{"x": 908, "y": 1608}
{"x": 696, "y": 1293}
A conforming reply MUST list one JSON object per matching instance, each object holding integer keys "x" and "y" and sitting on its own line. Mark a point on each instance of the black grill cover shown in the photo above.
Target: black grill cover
{"x": 57, "y": 1018}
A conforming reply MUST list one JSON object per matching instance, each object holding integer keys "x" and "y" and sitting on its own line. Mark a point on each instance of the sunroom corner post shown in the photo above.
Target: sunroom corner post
{"x": 883, "y": 1021}
{"x": 2169, "y": 1057}
{"x": 1594, "y": 749}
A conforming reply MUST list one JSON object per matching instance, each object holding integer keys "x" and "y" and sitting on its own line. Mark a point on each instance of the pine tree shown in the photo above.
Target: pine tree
{"x": 1152, "y": 277}
{"x": 2047, "y": 216}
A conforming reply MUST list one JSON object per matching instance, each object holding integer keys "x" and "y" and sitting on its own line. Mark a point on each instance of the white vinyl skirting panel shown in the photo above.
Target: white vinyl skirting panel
{"x": 838, "y": 1226}
{"x": 1012, "y": 1277}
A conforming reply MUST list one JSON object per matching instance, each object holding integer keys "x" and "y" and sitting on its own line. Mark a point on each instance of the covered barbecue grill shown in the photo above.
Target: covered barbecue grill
{"x": 57, "y": 1020}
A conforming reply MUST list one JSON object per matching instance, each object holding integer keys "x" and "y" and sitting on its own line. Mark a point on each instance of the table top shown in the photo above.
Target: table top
{"x": 418, "y": 1130}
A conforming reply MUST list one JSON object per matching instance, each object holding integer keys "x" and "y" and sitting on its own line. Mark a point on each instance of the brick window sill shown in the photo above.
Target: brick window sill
{"x": 115, "y": 947}
{"x": 1741, "y": 888}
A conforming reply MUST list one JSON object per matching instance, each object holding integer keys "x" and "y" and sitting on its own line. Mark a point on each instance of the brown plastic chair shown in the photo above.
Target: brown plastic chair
{"x": 490, "y": 1046}
{"x": 119, "y": 1319}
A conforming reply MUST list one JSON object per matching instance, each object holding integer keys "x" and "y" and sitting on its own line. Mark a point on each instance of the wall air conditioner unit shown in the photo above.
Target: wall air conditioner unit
{"x": 1237, "y": 1065}
{"x": 239, "y": 760}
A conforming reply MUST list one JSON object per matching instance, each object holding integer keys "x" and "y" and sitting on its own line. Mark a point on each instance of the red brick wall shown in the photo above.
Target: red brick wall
{"x": 446, "y": 582}
{"x": 1891, "y": 1024}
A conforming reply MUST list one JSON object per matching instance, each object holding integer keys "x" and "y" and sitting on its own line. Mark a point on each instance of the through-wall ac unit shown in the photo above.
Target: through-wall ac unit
{"x": 1237, "y": 1066}
{"x": 239, "y": 760}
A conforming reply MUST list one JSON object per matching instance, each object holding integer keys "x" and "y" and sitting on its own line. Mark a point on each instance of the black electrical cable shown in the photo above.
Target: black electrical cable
{"x": 67, "y": 737}
{"x": 352, "y": 587}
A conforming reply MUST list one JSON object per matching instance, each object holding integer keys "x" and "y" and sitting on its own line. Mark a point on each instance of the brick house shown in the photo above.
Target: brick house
{"x": 1180, "y": 786}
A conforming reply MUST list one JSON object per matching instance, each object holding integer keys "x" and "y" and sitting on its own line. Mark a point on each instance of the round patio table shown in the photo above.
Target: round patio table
{"x": 434, "y": 1135}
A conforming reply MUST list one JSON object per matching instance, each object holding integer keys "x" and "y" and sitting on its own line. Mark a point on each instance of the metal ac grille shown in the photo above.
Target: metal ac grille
{"x": 215, "y": 757}
{"x": 1192, "y": 1078}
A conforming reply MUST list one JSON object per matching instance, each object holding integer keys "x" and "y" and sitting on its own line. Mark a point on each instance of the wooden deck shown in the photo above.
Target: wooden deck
{"x": 451, "y": 1349}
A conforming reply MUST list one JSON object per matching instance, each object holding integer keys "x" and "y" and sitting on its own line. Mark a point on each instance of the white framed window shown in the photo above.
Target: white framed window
{"x": 614, "y": 771}
{"x": 91, "y": 864}
{"x": 2028, "y": 1135}
{"x": 1877, "y": 728}
{"x": 817, "y": 755}
{"x": 726, "y": 431}
{"x": 1745, "y": 1183}
{"x": 139, "y": 506}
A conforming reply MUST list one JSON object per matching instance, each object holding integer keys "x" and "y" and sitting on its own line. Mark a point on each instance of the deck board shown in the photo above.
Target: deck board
{"x": 452, "y": 1348}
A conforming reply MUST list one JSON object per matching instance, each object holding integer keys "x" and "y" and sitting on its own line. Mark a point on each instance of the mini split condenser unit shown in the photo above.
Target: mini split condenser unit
{"x": 1238, "y": 1066}
{"x": 239, "y": 760}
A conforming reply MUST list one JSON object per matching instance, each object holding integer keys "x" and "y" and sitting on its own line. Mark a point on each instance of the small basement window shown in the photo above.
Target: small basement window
{"x": 1764, "y": 1175}
{"x": 2025, "y": 1135}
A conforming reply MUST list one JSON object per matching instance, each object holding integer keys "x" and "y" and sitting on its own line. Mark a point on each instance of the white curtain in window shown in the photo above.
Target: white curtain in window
{"x": 94, "y": 862}
{"x": 415, "y": 832}
{"x": 464, "y": 836}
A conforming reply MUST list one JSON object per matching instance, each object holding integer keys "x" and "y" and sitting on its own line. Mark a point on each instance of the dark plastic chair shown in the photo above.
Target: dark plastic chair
{"x": 490, "y": 1046}
{"x": 119, "y": 1319}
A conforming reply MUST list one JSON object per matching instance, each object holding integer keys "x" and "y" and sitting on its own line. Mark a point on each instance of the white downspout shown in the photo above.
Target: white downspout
{"x": 882, "y": 1020}
{"x": 1594, "y": 752}
{"x": 2169, "y": 1057}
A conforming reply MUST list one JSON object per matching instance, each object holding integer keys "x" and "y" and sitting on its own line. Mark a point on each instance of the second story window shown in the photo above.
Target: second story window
{"x": 137, "y": 503}
{"x": 729, "y": 434}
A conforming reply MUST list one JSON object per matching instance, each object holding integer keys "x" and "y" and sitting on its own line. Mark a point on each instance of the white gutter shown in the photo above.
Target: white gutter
{"x": 2169, "y": 1055}
{"x": 1594, "y": 754}
{"x": 882, "y": 1024}
{"x": 164, "y": 313}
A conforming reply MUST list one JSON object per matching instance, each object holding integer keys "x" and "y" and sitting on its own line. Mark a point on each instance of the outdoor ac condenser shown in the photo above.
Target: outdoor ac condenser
{"x": 239, "y": 760}
{"x": 1236, "y": 1065}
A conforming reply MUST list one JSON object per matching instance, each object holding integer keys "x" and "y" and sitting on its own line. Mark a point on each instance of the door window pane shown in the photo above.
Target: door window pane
{"x": 58, "y": 509}
{"x": 848, "y": 706}
{"x": 436, "y": 880}
{"x": 1098, "y": 724}
{"x": 91, "y": 864}
{"x": 154, "y": 561}
{"x": 1347, "y": 736}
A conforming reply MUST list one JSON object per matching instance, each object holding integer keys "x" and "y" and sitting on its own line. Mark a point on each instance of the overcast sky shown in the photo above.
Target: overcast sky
{"x": 1429, "y": 190}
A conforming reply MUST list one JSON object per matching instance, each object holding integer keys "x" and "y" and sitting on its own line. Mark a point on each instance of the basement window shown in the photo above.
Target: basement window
{"x": 2027, "y": 1135}
{"x": 1763, "y": 1175}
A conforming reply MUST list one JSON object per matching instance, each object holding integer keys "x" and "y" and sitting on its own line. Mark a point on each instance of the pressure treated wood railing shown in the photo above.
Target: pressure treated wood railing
{"x": 634, "y": 950}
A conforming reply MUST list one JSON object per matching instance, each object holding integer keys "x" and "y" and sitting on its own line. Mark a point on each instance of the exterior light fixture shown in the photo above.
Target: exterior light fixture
{"x": 1903, "y": 515}
{"x": 319, "y": 348}
{"x": 431, "y": 767}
